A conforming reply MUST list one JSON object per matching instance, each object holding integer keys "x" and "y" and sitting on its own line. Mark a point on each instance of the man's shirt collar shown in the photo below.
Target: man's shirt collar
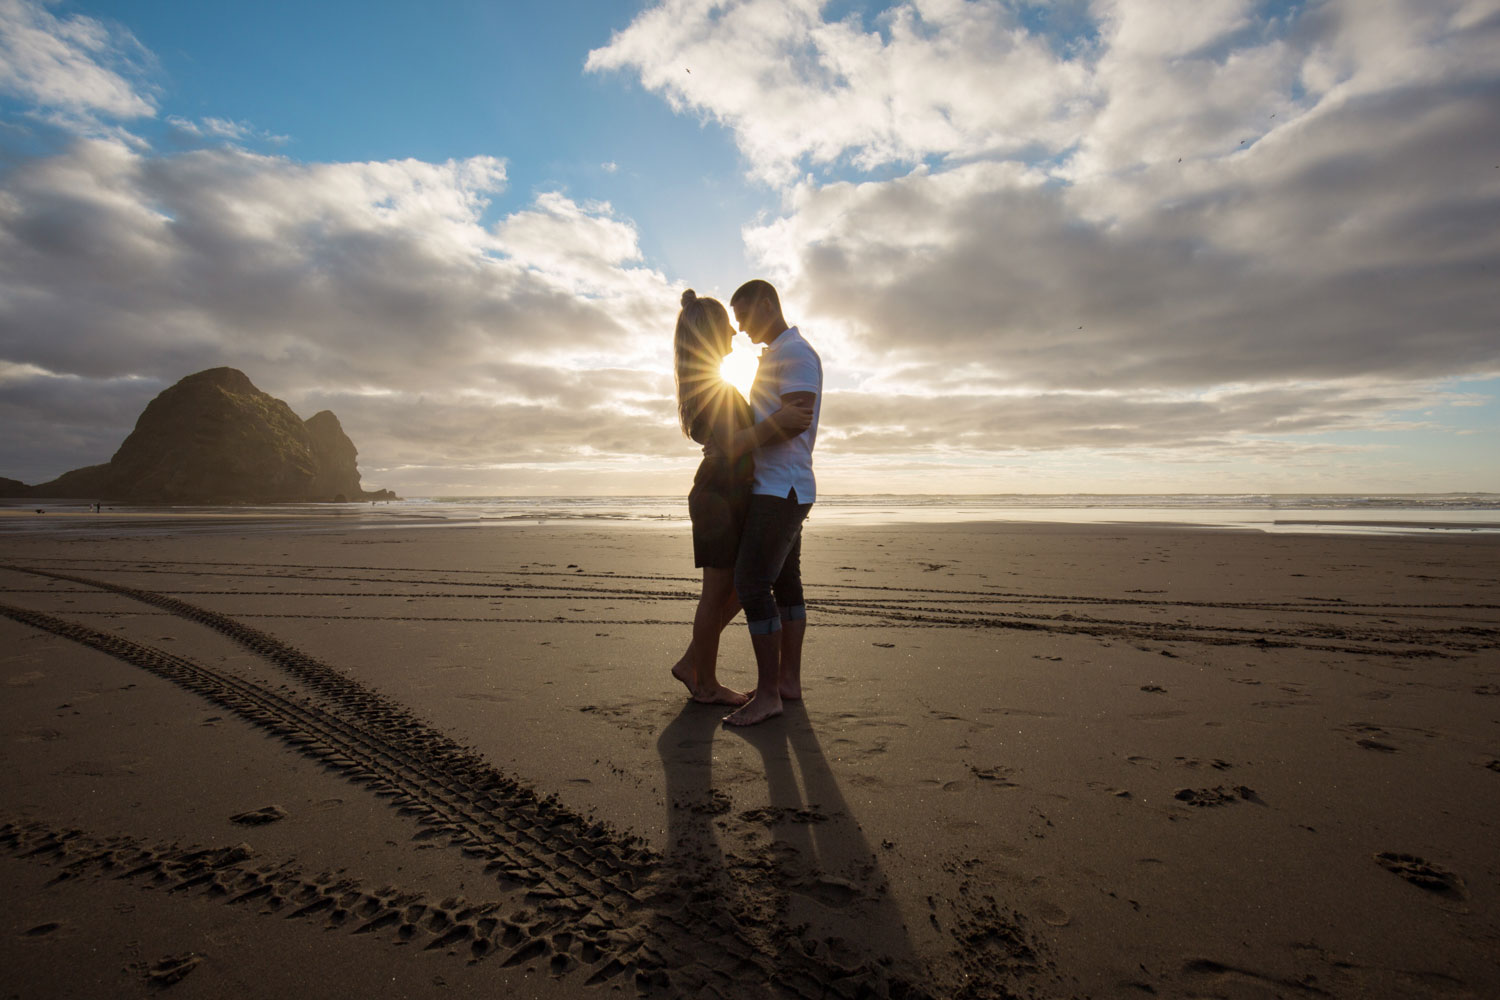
{"x": 782, "y": 339}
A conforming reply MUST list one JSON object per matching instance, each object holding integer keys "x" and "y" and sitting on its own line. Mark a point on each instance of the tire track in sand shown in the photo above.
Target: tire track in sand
{"x": 600, "y": 900}
{"x": 913, "y": 610}
{"x": 476, "y": 929}
{"x": 565, "y": 868}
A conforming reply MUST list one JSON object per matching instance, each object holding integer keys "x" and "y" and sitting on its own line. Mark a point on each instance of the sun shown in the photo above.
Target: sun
{"x": 739, "y": 365}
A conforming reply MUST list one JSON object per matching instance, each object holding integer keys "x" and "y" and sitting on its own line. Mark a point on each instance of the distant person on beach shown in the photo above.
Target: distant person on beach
{"x": 768, "y": 572}
{"x": 714, "y": 414}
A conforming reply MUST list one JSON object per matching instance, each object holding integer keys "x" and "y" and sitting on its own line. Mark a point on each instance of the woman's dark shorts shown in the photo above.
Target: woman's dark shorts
{"x": 718, "y": 517}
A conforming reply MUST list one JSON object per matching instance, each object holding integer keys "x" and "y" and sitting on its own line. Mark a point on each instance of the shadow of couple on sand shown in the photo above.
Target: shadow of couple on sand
{"x": 786, "y": 898}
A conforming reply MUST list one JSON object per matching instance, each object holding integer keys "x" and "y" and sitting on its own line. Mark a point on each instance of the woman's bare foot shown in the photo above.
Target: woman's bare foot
{"x": 721, "y": 695}
{"x": 683, "y": 671}
{"x": 757, "y": 709}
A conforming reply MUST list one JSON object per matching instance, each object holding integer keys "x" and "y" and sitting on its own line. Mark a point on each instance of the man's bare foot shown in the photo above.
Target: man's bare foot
{"x": 683, "y": 671}
{"x": 757, "y": 709}
{"x": 721, "y": 695}
{"x": 791, "y": 690}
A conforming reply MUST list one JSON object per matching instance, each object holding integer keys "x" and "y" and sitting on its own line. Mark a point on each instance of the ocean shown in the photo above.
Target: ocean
{"x": 1419, "y": 513}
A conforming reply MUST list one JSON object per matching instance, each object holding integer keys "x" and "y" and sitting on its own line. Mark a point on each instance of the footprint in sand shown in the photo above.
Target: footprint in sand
{"x": 259, "y": 817}
{"x": 1052, "y": 914}
{"x": 716, "y": 803}
{"x": 1365, "y": 738}
{"x": 172, "y": 969}
{"x": 1216, "y": 763}
{"x": 1422, "y": 873}
{"x": 1119, "y": 793}
{"x": 1216, "y": 796}
{"x": 830, "y": 890}
{"x": 998, "y": 775}
{"x": 773, "y": 815}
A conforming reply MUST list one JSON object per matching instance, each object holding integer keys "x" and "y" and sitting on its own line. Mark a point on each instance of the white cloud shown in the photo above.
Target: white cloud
{"x": 580, "y": 247}
{"x": 323, "y": 282}
{"x": 1194, "y": 230}
{"x": 947, "y": 78}
{"x": 1341, "y": 254}
{"x": 1232, "y": 419}
{"x": 74, "y": 69}
{"x": 1182, "y": 117}
{"x": 226, "y": 129}
{"x": 223, "y": 128}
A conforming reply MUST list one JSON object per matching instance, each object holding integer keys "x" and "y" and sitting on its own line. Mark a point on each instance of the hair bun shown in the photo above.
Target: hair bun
{"x": 689, "y": 297}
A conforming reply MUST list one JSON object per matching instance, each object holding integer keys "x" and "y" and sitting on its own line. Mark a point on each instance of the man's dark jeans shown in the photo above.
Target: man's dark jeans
{"x": 768, "y": 572}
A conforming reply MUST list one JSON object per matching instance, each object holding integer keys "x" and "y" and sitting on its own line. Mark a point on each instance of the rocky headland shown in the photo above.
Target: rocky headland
{"x": 214, "y": 438}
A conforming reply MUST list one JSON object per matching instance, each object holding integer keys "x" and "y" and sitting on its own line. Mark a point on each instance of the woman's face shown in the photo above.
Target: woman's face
{"x": 726, "y": 337}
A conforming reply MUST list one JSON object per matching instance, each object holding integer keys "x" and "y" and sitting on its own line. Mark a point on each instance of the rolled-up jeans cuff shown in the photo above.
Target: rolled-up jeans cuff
{"x": 792, "y": 612}
{"x": 765, "y": 626}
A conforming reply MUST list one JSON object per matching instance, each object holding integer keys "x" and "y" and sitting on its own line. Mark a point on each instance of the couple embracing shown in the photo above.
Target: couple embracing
{"x": 750, "y": 495}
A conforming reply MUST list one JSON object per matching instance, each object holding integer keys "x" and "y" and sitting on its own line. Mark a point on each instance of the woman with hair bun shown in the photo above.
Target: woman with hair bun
{"x": 714, "y": 414}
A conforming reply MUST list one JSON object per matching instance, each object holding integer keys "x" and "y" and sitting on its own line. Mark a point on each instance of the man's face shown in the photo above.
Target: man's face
{"x": 750, "y": 317}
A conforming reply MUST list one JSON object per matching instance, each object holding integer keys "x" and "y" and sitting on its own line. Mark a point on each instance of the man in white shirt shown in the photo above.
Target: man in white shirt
{"x": 768, "y": 572}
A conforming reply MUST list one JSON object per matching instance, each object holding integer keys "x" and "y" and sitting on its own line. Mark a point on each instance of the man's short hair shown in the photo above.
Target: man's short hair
{"x": 754, "y": 291}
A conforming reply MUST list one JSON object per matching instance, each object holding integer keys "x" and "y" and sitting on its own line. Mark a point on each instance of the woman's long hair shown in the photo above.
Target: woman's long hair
{"x": 702, "y": 339}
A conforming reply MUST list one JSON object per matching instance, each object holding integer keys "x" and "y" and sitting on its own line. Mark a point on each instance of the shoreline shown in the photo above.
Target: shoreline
{"x": 360, "y": 518}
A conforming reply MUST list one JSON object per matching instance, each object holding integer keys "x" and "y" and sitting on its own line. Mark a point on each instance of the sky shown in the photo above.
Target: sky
{"x": 1105, "y": 246}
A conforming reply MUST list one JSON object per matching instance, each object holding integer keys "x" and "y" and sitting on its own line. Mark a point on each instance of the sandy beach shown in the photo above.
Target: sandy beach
{"x": 1033, "y": 761}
